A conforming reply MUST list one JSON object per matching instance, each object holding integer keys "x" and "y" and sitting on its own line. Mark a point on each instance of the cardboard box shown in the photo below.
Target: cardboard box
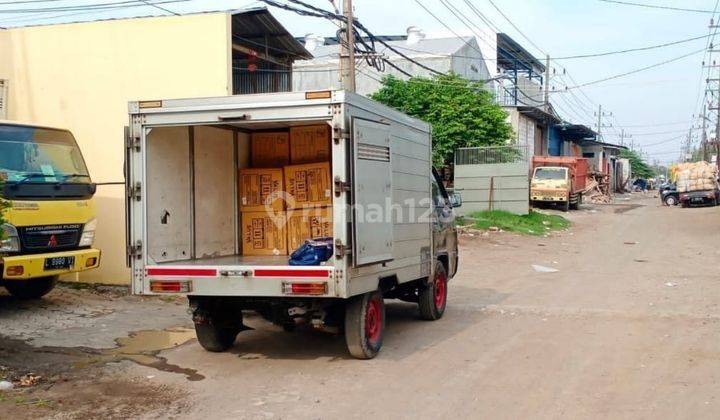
{"x": 270, "y": 149}
{"x": 308, "y": 185}
{"x": 308, "y": 224}
{"x": 310, "y": 144}
{"x": 261, "y": 189}
{"x": 264, "y": 233}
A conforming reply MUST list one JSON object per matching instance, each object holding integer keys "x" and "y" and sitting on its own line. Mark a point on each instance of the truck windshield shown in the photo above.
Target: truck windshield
{"x": 40, "y": 155}
{"x": 550, "y": 173}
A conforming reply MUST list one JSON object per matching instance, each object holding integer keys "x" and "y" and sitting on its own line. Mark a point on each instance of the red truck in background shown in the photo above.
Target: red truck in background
{"x": 558, "y": 180}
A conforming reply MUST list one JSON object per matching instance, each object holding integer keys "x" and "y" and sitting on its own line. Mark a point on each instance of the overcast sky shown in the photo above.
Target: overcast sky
{"x": 643, "y": 103}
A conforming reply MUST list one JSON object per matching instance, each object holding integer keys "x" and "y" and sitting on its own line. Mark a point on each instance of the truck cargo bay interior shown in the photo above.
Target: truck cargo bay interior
{"x": 193, "y": 210}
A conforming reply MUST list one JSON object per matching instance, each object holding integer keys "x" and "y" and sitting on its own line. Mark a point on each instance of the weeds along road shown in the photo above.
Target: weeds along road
{"x": 627, "y": 327}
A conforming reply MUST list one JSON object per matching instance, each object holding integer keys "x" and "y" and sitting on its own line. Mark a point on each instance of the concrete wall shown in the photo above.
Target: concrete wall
{"x": 524, "y": 128}
{"x": 81, "y": 76}
{"x": 510, "y": 187}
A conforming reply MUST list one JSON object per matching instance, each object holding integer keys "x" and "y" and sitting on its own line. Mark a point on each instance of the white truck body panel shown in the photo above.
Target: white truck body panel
{"x": 381, "y": 159}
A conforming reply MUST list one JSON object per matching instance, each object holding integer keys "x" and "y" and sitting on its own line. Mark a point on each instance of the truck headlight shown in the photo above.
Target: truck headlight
{"x": 10, "y": 241}
{"x": 88, "y": 235}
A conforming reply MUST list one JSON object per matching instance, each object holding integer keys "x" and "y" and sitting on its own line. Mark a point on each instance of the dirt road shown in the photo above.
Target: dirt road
{"x": 627, "y": 327}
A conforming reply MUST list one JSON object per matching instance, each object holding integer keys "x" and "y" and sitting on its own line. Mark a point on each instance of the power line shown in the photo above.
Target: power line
{"x": 655, "y": 6}
{"x": 36, "y": 18}
{"x": 652, "y": 66}
{"x": 630, "y": 50}
{"x": 95, "y": 6}
{"x": 160, "y": 8}
{"x": 516, "y": 28}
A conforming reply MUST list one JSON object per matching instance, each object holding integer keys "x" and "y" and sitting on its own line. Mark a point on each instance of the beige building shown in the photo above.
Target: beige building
{"x": 80, "y": 76}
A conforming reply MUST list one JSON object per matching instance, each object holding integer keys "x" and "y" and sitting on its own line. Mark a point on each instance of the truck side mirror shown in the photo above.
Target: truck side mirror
{"x": 456, "y": 200}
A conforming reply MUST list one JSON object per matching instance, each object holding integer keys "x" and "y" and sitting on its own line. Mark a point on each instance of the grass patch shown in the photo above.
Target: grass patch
{"x": 536, "y": 224}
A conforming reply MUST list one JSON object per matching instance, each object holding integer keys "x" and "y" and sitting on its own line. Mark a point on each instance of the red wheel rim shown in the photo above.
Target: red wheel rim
{"x": 440, "y": 290}
{"x": 373, "y": 321}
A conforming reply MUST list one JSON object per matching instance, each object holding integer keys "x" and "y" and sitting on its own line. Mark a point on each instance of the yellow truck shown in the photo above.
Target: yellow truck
{"x": 47, "y": 225}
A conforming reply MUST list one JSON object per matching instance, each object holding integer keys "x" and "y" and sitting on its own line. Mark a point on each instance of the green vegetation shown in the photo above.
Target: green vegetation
{"x": 461, "y": 112}
{"x": 640, "y": 168}
{"x": 536, "y": 224}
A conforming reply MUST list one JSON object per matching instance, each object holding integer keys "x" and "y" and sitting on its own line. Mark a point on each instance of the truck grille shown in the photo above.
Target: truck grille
{"x": 49, "y": 238}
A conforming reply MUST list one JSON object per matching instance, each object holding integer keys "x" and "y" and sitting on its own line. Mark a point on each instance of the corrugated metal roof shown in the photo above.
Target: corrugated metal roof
{"x": 258, "y": 28}
{"x": 439, "y": 47}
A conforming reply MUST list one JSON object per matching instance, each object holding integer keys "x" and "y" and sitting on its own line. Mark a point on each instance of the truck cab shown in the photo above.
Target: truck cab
{"x": 551, "y": 184}
{"x": 47, "y": 224}
{"x": 558, "y": 180}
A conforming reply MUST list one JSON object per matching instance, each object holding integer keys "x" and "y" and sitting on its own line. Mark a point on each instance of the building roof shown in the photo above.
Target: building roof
{"x": 590, "y": 142}
{"x": 511, "y": 54}
{"x": 575, "y": 131}
{"x": 537, "y": 113}
{"x": 427, "y": 47}
{"x": 257, "y": 26}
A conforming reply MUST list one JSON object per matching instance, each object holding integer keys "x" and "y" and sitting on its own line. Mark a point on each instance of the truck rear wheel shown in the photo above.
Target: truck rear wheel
{"x": 216, "y": 327}
{"x": 433, "y": 297}
{"x": 365, "y": 325}
{"x": 31, "y": 288}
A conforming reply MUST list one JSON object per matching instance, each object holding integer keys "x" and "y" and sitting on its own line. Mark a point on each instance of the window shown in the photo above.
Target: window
{"x": 589, "y": 155}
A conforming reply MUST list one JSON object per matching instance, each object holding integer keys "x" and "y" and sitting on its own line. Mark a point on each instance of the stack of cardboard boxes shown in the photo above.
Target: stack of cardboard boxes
{"x": 286, "y": 197}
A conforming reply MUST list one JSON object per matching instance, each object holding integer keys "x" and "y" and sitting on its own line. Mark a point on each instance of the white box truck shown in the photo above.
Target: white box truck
{"x": 393, "y": 231}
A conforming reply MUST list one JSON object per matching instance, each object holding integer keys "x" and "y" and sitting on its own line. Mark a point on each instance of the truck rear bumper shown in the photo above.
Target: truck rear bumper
{"x": 255, "y": 281}
{"x": 23, "y": 267}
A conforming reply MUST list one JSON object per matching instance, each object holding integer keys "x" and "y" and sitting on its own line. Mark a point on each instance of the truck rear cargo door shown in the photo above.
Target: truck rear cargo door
{"x": 372, "y": 188}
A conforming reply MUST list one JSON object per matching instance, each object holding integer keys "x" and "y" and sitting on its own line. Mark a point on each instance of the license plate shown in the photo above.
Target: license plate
{"x": 697, "y": 200}
{"x": 59, "y": 263}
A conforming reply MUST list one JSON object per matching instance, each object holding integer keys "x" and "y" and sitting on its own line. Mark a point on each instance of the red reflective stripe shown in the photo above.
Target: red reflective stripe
{"x": 196, "y": 272}
{"x": 291, "y": 273}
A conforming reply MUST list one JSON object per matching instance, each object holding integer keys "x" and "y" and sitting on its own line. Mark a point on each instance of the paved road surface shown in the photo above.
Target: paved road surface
{"x": 627, "y": 328}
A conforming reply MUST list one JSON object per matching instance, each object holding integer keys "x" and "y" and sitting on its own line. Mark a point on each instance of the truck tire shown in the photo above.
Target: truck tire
{"x": 215, "y": 338}
{"x": 565, "y": 206}
{"x": 215, "y": 328}
{"x": 365, "y": 325}
{"x": 433, "y": 297}
{"x": 670, "y": 201}
{"x": 31, "y": 288}
{"x": 575, "y": 202}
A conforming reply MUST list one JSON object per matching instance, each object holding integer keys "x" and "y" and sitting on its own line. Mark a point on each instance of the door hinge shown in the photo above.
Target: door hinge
{"x": 340, "y": 134}
{"x": 341, "y": 250}
{"x": 132, "y": 143}
{"x": 135, "y": 251}
{"x": 135, "y": 191}
{"x": 341, "y": 186}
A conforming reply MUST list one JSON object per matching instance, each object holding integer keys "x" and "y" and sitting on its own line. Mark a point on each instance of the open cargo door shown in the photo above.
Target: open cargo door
{"x": 373, "y": 235}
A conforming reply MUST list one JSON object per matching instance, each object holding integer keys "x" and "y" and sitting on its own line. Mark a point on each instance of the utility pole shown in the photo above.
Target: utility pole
{"x": 600, "y": 114}
{"x": 347, "y": 51}
{"x": 547, "y": 83}
{"x": 623, "y": 136}
{"x": 704, "y": 134}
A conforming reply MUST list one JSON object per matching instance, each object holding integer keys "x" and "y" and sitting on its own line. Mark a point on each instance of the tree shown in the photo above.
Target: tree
{"x": 639, "y": 167}
{"x": 461, "y": 112}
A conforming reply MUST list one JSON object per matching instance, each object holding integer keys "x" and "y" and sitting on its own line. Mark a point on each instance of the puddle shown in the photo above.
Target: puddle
{"x": 142, "y": 347}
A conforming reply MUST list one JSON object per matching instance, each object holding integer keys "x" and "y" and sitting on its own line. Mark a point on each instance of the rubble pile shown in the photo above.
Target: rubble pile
{"x": 597, "y": 189}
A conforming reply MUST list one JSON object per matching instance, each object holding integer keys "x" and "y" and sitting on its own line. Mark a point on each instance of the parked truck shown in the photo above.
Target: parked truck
{"x": 558, "y": 180}
{"x": 198, "y": 171}
{"x": 50, "y": 220}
